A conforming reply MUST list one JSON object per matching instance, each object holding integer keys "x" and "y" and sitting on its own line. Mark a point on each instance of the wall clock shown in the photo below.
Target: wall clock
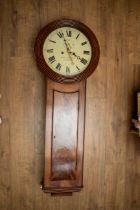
{"x": 67, "y": 52}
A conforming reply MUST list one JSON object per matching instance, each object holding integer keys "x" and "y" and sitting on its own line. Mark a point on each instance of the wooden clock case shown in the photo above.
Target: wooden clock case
{"x": 65, "y": 116}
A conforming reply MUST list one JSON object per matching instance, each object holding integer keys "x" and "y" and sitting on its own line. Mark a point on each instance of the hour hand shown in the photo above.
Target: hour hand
{"x": 73, "y": 53}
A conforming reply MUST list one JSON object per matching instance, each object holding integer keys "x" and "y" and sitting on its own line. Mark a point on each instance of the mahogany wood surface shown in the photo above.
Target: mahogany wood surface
{"x": 112, "y": 155}
{"x": 64, "y": 138}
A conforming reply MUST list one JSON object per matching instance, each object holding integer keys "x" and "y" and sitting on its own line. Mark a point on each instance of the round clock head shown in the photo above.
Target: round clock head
{"x": 67, "y": 51}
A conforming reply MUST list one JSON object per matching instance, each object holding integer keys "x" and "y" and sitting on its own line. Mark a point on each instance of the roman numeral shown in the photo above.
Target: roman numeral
{"x": 77, "y": 36}
{"x": 67, "y": 70}
{"x": 52, "y": 59}
{"x": 50, "y": 50}
{"x": 84, "y": 61}
{"x": 68, "y": 33}
{"x": 58, "y": 67}
{"x": 52, "y": 41}
{"x": 83, "y": 43}
{"x": 86, "y": 52}
{"x": 60, "y": 34}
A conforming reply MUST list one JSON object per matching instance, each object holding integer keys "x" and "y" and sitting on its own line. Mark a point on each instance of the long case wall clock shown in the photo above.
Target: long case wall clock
{"x": 67, "y": 52}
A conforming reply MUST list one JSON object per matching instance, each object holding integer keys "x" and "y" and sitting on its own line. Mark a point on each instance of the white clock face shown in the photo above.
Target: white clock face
{"x": 67, "y": 51}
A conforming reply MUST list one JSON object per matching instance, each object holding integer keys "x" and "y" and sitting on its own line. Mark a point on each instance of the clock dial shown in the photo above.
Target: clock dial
{"x": 67, "y": 51}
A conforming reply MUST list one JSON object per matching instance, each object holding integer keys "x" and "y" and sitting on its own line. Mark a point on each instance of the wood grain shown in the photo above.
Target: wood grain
{"x": 64, "y": 137}
{"x": 112, "y": 154}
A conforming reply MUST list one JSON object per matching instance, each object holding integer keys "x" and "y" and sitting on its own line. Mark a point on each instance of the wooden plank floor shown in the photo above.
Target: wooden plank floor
{"x": 112, "y": 153}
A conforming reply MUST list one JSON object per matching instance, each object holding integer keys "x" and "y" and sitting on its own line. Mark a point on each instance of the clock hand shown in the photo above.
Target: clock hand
{"x": 68, "y": 50}
{"x": 66, "y": 42}
{"x": 73, "y": 53}
{"x": 78, "y": 57}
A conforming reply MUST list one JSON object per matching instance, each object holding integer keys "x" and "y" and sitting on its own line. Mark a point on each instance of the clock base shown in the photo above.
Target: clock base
{"x": 64, "y": 137}
{"x": 61, "y": 191}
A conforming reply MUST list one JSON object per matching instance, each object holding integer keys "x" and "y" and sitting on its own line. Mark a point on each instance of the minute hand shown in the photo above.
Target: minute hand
{"x": 68, "y": 50}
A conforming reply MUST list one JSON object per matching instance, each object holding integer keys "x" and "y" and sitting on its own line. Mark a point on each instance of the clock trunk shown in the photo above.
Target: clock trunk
{"x": 64, "y": 138}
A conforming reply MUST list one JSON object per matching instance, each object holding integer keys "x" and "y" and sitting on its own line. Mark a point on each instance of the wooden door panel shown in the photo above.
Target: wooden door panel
{"x": 65, "y": 114}
{"x": 64, "y": 136}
